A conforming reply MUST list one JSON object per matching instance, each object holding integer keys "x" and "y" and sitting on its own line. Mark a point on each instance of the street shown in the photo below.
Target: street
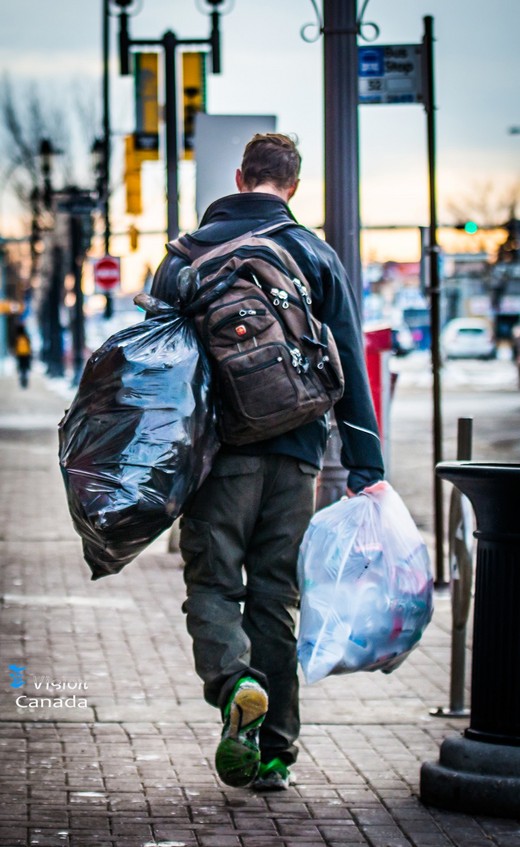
{"x": 486, "y": 391}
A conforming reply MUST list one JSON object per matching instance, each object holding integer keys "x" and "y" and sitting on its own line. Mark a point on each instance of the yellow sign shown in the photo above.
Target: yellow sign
{"x": 194, "y": 97}
{"x": 146, "y": 105}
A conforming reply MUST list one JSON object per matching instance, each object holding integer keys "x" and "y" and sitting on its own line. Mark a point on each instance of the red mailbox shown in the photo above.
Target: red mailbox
{"x": 378, "y": 346}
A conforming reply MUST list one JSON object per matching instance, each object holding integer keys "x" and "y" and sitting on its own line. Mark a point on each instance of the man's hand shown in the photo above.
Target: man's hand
{"x": 372, "y": 486}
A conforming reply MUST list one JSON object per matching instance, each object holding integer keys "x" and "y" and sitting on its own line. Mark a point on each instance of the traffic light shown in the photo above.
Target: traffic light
{"x": 132, "y": 178}
{"x": 133, "y": 234}
{"x": 146, "y": 135}
{"x": 194, "y": 97}
{"x": 470, "y": 227}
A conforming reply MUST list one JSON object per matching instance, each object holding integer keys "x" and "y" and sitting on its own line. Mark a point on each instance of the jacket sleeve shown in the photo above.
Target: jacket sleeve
{"x": 361, "y": 452}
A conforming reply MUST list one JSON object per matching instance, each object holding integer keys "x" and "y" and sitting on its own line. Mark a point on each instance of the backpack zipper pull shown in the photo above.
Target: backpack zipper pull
{"x": 280, "y": 296}
{"x": 304, "y": 294}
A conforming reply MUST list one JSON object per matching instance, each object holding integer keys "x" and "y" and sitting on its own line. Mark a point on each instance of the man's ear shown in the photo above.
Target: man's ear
{"x": 292, "y": 189}
{"x": 239, "y": 180}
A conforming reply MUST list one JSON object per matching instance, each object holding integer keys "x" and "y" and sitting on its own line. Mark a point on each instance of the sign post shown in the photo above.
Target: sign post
{"x": 397, "y": 74}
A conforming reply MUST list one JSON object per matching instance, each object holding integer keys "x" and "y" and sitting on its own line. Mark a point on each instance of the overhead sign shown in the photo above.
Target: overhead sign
{"x": 390, "y": 74}
{"x": 107, "y": 273}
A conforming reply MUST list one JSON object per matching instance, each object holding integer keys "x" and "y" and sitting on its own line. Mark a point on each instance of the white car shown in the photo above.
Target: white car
{"x": 468, "y": 338}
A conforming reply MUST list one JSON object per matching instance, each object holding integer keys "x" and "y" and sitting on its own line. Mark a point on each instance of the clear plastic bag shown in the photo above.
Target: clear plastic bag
{"x": 366, "y": 586}
{"x": 139, "y": 437}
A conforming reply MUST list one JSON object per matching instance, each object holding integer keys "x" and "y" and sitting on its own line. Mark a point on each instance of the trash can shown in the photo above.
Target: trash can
{"x": 479, "y": 772}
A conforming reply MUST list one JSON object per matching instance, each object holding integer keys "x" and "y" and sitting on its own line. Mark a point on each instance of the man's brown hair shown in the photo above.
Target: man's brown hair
{"x": 272, "y": 158}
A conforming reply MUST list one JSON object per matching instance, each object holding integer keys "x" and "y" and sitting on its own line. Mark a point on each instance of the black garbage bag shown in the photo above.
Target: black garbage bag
{"x": 139, "y": 437}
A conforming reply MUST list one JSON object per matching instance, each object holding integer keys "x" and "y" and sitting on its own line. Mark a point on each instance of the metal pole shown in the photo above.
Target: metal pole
{"x": 341, "y": 182}
{"x": 78, "y": 324}
{"x": 433, "y": 250}
{"x": 461, "y": 572}
{"x": 53, "y": 305}
{"x": 424, "y": 268}
{"x": 461, "y": 579}
{"x": 106, "y": 124}
{"x": 216, "y": 65}
{"x": 106, "y": 142}
{"x": 172, "y": 153}
{"x": 3, "y": 318}
{"x": 341, "y": 136}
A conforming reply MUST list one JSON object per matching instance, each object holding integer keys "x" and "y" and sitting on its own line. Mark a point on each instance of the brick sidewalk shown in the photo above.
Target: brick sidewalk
{"x": 133, "y": 765}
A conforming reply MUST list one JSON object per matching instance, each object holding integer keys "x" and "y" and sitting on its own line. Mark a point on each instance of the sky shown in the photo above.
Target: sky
{"x": 269, "y": 69}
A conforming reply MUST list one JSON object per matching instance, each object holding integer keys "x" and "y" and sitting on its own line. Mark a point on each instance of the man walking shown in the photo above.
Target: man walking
{"x": 241, "y": 532}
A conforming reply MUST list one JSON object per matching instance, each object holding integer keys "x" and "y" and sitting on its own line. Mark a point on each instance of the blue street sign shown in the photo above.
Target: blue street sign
{"x": 390, "y": 74}
{"x": 371, "y": 62}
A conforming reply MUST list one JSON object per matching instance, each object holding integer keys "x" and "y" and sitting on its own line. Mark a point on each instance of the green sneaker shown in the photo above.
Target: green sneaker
{"x": 238, "y": 755}
{"x": 273, "y": 776}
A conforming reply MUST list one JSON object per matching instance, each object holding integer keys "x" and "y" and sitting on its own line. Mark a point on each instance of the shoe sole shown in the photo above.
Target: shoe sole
{"x": 273, "y": 782}
{"x": 237, "y": 758}
{"x": 266, "y": 785}
{"x": 248, "y": 710}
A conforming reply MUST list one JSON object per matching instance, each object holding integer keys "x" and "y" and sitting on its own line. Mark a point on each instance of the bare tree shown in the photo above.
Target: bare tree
{"x": 27, "y": 116}
{"x": 486, "y": 205}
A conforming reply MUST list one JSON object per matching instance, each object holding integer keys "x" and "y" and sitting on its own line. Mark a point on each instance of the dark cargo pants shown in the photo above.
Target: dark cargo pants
{"x": 239, "y": 539}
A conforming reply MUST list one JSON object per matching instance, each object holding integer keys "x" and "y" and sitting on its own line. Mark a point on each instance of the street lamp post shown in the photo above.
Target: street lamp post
{"x": 77, "y": 205}
{"x": 99, "y": 153}
{"x": 340, "y": 78}
{"x": 71, "y": 209}
{"x": 340, "y": 29}
{"x": 169, "y": 43}
{"x": 51, "y": 306}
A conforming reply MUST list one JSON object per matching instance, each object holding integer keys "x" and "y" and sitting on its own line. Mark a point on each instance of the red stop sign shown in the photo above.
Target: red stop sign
{"x": 107, "y": 274}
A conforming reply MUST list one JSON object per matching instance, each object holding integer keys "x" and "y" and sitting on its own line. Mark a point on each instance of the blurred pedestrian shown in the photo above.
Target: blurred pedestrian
{"x": 23, "y": 353}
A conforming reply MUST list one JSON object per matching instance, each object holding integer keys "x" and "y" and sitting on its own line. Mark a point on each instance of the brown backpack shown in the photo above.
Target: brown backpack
{"x": 277, "y": 367}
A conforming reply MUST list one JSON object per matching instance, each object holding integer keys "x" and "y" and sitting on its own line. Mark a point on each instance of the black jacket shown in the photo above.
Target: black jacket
{"x": 333, "y": 304}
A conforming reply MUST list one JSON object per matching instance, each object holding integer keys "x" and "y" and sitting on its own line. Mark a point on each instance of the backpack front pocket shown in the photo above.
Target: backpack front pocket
{"x": 239, "y": 322}
{"x": 258, "y": 398}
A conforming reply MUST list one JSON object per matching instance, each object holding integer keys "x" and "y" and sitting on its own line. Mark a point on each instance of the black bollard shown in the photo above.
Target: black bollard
{"x": 479, "y": 773}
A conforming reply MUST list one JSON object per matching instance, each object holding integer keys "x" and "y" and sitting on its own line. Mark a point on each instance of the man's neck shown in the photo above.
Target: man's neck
{"x": 269, "y": 188}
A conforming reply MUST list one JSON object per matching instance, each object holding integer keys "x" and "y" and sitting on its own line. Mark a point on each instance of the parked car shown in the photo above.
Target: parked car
{"x": 468, "y": 338}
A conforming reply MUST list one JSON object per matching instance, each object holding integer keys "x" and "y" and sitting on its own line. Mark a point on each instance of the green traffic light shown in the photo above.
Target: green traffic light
{"x": 470, "y": 227}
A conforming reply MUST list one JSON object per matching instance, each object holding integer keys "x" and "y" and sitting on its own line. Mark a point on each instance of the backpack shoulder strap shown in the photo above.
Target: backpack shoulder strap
{"x": 192, "y": 251}
{"x": 179, "y": 247}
